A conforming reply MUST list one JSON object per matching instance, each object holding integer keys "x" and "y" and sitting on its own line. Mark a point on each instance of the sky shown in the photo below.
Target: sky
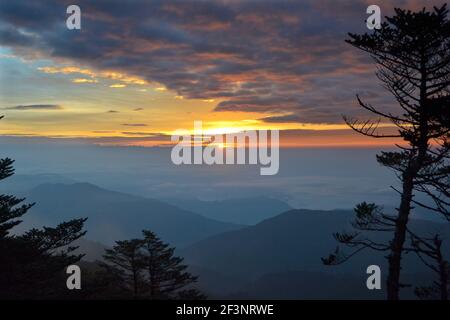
{"x": 139, "y": 70}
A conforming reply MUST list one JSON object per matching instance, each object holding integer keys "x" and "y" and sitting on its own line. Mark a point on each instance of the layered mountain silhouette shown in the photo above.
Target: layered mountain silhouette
{"x": 289, "y": 246}
{"x": 277, "y": 258}
{"x": 114, "y": 216}
{"x": 246, "y": 211}
{"x": 21, "y": 184}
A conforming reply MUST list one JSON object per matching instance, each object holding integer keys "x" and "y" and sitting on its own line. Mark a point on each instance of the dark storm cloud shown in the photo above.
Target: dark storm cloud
{"x": 36, "y": 107}
{"x": 272, "y": 56}
{"x": 10, "y": 36}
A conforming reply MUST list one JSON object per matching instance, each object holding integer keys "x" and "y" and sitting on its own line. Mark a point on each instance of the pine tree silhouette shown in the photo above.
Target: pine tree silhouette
{"x": 167, "y": 276}
{"x": 429, "y": 250}
{"x": 147, "y": 269}
{"x": 32, "y": 264}
{"x": 125, "y": 262}
{"x": 412, "y": 51}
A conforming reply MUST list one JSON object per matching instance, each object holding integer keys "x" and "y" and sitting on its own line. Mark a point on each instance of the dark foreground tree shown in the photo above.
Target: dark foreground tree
{"x": 167, "y": 276}
{"x": 32, "y": 264}
{"x": 429, "y": 250}
{"x": 124, "y": 262}
{"x": 412, "y": 51}
{"x": 148, "y": 269}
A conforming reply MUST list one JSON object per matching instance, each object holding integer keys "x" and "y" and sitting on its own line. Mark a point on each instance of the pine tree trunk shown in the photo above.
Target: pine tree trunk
{"x": 409, "y": 176}
{"x": 395, "y": 257}
{"x": 393, "y": 280}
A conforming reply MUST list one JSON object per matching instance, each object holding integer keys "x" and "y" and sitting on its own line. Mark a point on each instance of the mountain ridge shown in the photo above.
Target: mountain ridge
{"x": 245, "y": 211}
{"x": 117, "y": 216}
{"x": 295, "y": 240}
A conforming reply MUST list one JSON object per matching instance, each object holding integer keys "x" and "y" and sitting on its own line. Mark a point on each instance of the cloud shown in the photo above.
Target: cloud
{"x": 138, "y": 109}
{"x": 67, "y": 70}
{"x": 103, "y": 131}
{"x": 36, "y": 107}
{"x": 112, "y": 111}
{"x": 84, "y": 80}
{"x": 134, "y": 124}
{"x": 117, "y": 76}
{"x": 289, "y": 118}
{"x": 251, "y": 56}
{"x": 141, "y": 133}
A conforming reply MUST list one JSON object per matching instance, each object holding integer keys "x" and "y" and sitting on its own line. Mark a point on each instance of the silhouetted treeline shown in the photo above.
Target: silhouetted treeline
{"x": 33, "y": 264}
